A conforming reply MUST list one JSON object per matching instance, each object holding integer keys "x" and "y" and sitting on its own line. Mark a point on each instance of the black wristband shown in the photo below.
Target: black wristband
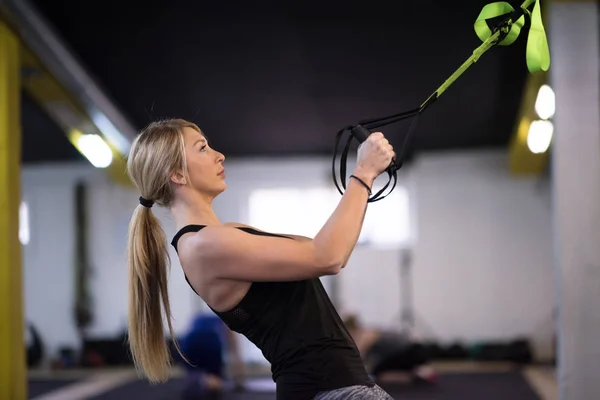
{"x": 362, "y": 183}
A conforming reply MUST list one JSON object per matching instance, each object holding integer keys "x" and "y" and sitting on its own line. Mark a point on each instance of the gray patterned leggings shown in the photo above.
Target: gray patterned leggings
{"x": 355, "y": 393}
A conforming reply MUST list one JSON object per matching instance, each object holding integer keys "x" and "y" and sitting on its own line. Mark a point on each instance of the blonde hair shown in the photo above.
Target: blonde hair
{"x": 155, "y": 155}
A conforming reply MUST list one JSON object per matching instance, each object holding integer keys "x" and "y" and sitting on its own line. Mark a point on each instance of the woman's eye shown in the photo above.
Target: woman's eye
{"x": 203, "y": 148}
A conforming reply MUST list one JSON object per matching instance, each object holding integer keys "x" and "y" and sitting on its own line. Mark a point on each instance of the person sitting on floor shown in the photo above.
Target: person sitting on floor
{"x": 390, "y": 356}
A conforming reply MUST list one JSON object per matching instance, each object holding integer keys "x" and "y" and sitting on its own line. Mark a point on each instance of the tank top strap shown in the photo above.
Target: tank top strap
{"x": 183, "y": 231}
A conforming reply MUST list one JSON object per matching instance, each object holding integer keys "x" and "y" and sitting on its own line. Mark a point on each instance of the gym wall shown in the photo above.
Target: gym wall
{"x": 481, "y": 243}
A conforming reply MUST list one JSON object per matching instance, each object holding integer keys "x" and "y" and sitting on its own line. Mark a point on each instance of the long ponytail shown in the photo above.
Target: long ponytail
{"x": 149, "y": 261}
{"x": 154, "y": 155}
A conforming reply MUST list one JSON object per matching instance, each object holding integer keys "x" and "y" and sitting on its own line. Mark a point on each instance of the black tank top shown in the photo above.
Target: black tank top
{"x": 299, "y": 332}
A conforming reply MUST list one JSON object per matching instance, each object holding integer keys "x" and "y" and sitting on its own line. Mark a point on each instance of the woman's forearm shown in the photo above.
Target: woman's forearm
{"x": 337, "y": 238}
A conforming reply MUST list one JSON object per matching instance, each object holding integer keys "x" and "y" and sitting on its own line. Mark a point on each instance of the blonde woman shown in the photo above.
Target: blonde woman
{"x": 264, "y": 286}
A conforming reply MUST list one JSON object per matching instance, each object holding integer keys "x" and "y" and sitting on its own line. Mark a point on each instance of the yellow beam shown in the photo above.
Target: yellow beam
{"x": 50, "y": 95}
{"x": 13, "y": 381}
{"x": 75, "y": 104}
{"x": 521, "y": 160}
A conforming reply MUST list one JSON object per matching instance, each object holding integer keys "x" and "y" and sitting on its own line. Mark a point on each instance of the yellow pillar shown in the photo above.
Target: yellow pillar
{"x": 13, "y": 380}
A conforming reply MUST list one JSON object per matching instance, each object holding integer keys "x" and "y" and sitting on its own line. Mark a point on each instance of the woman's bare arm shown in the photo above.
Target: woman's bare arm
{"x": 230, "y": 253}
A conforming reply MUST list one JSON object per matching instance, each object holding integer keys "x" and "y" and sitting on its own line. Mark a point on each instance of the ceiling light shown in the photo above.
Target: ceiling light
{"x": 95, "y": 149}
{"x": 545, "y": 104}
{"x": 540, "y": 136}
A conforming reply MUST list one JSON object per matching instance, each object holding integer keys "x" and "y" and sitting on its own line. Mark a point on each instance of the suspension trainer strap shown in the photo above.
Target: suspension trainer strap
{"x": 537, "y": 53}
{"x": 498, "y": 23}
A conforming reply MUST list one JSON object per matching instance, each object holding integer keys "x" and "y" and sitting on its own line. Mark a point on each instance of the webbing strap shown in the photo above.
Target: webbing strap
{"x": 537, "y": 53}
{"x": 504, "y": 34}
{"x": 498, "y": 23}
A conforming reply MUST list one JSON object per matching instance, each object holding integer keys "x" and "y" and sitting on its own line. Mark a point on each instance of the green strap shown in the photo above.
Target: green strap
{"x": 537, "y": 52}
{"x": 495, "y": 10}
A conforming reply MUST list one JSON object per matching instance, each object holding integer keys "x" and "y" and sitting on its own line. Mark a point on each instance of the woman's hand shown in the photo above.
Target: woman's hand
{"x": 374, "y": 156}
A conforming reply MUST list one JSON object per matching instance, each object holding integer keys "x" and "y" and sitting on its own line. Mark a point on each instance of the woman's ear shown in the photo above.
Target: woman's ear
{"x": 178, "y": 178}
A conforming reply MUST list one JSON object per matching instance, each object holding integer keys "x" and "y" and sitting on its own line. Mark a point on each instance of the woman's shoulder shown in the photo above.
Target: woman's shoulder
{"x": 240, "y": 225}
{"x": 214, "y": 239}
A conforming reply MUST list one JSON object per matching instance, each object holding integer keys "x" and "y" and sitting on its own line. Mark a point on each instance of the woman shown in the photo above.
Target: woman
{"x": 264, "y": 286}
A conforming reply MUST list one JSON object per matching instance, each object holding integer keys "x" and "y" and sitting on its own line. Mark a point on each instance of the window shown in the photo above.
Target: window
{"x": 304, "y": 211}
{"x": 24, "y": 223}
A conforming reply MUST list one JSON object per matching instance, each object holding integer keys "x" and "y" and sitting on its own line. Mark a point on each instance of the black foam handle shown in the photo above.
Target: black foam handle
{"x": 360, "y": 133}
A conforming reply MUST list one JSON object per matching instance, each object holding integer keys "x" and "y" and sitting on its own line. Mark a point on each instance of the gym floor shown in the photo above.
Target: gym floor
{"x": 460, "y": 380}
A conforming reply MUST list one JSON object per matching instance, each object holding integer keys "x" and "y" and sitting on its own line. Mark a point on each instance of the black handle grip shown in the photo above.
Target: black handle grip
{"x": 360, "y": 133}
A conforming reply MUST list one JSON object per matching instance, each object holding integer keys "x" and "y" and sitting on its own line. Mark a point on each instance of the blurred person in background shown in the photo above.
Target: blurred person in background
{"x": 390, "y": 356}
{"x": 213, "y": 351}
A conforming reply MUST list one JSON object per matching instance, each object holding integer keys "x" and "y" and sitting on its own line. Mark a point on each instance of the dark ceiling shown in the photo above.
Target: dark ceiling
{"x": 283, "y": 80}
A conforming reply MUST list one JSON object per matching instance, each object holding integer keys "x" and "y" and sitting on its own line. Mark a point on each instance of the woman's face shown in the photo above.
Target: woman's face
{"x": 205, "y": 169}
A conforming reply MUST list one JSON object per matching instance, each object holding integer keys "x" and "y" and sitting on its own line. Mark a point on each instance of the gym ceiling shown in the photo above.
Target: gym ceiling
{"x": 282, "y": 80}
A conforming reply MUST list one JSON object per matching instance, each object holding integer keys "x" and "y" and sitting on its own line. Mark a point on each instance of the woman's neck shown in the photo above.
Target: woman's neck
{"x": 194, "y": 212}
